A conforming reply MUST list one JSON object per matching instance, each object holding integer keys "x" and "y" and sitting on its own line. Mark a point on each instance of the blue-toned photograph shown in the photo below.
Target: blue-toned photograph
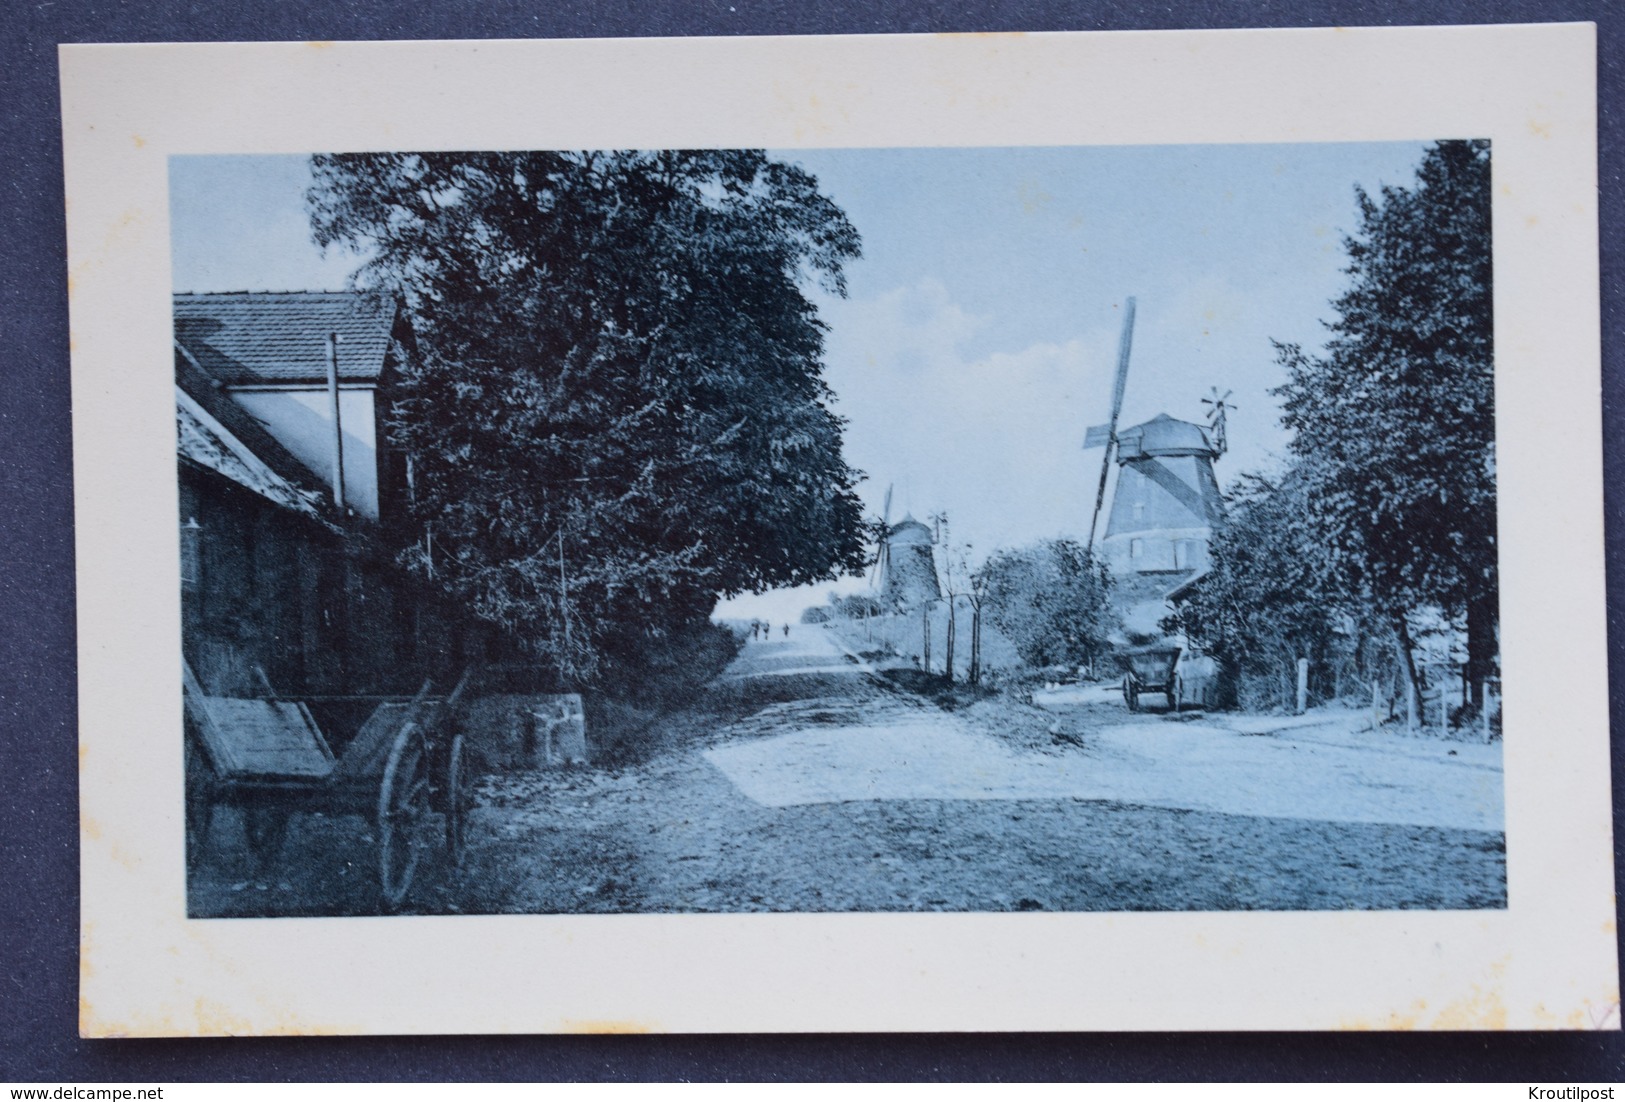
{"x": 848, "y": 530}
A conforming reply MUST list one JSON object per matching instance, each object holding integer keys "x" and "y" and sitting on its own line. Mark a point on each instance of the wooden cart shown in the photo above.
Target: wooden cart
{"x": 268, "y": 757}
{"x": 1151, "y": 669}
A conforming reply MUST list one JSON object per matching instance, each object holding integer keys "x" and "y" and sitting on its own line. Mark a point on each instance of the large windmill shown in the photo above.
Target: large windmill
{"x": 1167, "y": 500}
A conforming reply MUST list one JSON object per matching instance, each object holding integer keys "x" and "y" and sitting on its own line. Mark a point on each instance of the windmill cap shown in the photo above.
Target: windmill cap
{"x": 1163, "y": 435}
{"x": 908, "y": 523}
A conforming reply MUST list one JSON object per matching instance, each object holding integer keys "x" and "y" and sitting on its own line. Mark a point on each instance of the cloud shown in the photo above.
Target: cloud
{"x": 904, "y": 331}
{"x": 995, "y": 441}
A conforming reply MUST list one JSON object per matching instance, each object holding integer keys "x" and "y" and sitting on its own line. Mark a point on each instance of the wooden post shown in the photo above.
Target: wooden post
{"x": 564, "y": 615}
{"x": 1444, "y": 710}
{"x": 1485, "y": 709}
{"x": 1375, "y": 719}
{"x": 1303, "y": 685}
{"x": 1410, "y": 706}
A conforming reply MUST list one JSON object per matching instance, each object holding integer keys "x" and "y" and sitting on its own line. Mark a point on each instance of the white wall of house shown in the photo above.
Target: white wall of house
{"x": 302, "y": 420}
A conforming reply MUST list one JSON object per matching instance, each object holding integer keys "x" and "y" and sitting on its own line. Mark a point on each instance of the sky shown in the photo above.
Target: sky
{"x": 980, "y": 331}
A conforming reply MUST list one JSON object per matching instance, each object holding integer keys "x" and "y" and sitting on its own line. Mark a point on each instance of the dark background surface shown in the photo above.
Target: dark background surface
{"x": 39, "y": 856}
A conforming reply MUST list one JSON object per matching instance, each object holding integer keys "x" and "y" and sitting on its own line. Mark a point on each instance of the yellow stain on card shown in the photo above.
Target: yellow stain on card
{"x": 139, "y": 141}
{"x": 1480, "y": 1010}
{"x": 213, "y": 1018}
{"x": 1396, "y": 1021}
{"x": 1033, "y": 198}
{"x": 207, "y": 1019}
{"x": 571, "y": 1025}
{"x": 1540, "y": 129}
{"x": 1545, "y": 1019}
{"x": 87, "y": 1017}
{"x": 813, "y": 119}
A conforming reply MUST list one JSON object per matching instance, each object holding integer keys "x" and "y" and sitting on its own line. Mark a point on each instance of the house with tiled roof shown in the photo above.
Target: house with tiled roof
{"x": 312, "y": 368}
{"x": 281, "y": 575}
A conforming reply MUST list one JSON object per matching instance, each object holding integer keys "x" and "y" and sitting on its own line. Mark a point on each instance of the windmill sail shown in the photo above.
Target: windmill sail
{"x": 883, "y": 545}
{"x": 1109, "y": 437}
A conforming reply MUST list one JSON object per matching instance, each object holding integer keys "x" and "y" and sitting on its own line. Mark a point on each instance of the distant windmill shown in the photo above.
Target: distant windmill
{"x": 905, "y": 573}
{"x": 1218, "y": 406}
{"x": 1105, "y": 435}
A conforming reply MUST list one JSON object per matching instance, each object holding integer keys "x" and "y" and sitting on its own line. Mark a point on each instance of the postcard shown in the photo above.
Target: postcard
{"x": 1014, "y": 532}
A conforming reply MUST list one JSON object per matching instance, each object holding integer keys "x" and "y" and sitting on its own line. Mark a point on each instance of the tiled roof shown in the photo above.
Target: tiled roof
{"x": 249, "y": 338}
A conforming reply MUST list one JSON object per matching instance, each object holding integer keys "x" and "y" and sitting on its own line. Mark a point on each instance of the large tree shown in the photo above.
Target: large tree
{"x": 1394, "y": 424}
{"x": 1272, "y": 594}
{"x": 615, "y": 411}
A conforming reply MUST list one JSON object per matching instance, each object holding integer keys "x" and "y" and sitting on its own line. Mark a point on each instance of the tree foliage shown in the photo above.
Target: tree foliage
{"x": 1272, "y": 595}
{"x": 615, "y": 409}
{"x": 1049, "y": 600}
{"x": 1393, "y": 425}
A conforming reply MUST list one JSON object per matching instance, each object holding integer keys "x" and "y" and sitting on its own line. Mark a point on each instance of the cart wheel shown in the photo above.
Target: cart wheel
{"x": 199, "y": 802}
{"x": 403, "y": 806}
{"x": 266, "y": 828}
{"x": 459, "y": 798}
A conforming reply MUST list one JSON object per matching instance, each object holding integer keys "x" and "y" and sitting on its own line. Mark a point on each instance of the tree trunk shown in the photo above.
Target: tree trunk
{"x": 1481, "y": 615}
{"x": 975, "y": 643}
{"x": 1403, "y": 630}
{"x": 948, "y": 651}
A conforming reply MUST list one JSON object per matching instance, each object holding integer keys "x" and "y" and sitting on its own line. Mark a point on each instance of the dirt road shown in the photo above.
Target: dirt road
{"x": 803, "y": 780}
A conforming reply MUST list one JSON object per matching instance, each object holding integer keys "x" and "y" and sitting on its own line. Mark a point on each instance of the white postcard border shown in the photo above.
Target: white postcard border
{"x": 1547, "y": 961}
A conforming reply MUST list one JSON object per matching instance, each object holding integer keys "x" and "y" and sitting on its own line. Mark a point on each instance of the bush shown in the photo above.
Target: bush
{"x": 1050, "y": 601}
{"x": 855, "y": 606}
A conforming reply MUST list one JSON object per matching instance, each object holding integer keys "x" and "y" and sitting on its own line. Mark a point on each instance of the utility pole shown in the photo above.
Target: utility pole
{"x": 338, "y": 425}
